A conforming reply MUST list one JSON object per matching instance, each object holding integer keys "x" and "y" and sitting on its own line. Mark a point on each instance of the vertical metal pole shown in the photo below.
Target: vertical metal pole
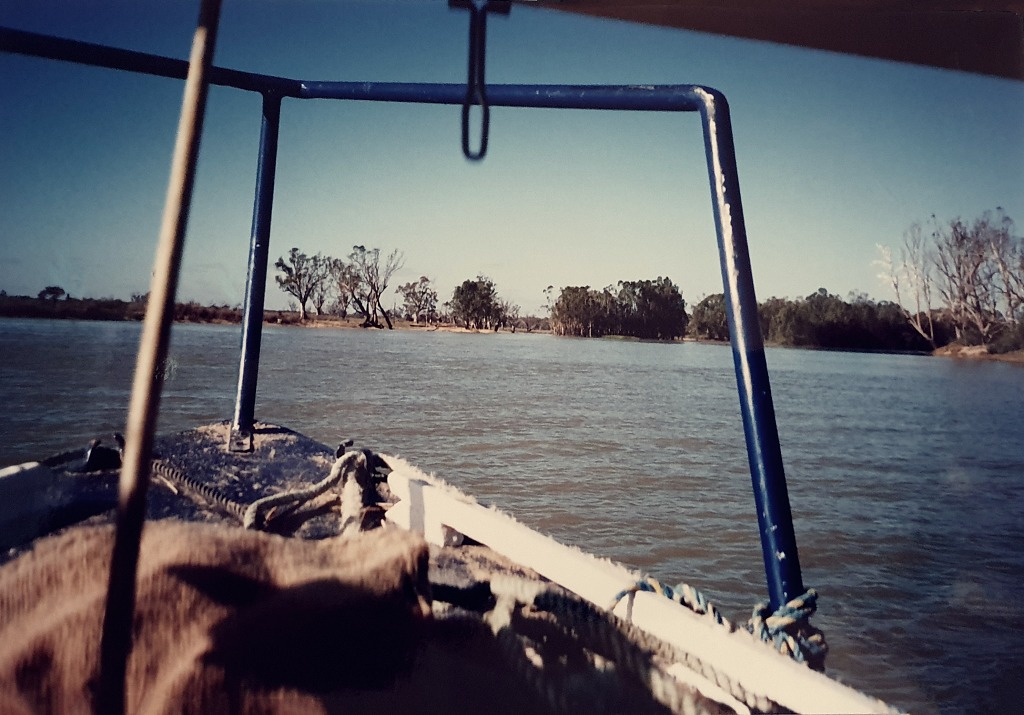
{"x": 778, "y": 541}
{"x": 240, "y": 439}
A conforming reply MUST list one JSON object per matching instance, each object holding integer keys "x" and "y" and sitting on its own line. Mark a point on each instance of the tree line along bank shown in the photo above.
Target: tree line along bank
{"x": 643, "y": 309}
{"x": 820, "y": 320}
{"x": 964, "y": 281}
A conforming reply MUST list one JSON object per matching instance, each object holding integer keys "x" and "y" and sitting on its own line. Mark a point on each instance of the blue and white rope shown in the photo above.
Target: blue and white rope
{"x": 788, "y": 629}
{"x": 682, "y": 593}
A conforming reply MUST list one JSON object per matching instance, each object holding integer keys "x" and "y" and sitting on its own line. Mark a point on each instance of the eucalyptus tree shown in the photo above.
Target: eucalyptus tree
{"x": 709, "y": 318}
{"x": 420, "y": 299}
{"x": 374, "y": 275}
{"x": 476, "y": 303}
{"x": 653, "y": 310}
{"x": 965, "y": 281}
{"x": 301, "y": 276}
{"x": 322, "y": 290}
{"x": 347, "y": 288}
{"x": 975, "y": 269}
{"x": 912, "y": 279}
{"x": 53, "y": 293}
{"x": 509, "y": 313}
{"x": 644, "y": 309}
{"x": 576, "y": 312}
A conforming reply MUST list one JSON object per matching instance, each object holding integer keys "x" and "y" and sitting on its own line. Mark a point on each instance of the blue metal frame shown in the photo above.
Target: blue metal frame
{"x": 782, "y": 565}
{"x": 240, "y": 439}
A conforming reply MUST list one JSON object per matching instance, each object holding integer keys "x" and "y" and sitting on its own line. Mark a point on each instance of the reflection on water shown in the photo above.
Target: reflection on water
{"x": 905, "y": 473}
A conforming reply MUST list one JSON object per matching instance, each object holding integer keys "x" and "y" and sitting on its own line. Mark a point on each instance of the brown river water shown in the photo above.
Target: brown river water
{"x": 906, "y": 473}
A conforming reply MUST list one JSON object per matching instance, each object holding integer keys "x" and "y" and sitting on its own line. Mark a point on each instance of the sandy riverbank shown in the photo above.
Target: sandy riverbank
{"x": 978, "y": 352}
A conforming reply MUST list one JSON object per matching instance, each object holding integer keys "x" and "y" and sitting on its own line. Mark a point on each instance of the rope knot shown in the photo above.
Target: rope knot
{"x": 789, "y": 629}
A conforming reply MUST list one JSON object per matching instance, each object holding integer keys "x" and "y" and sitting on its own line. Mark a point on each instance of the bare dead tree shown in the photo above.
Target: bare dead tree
{"x": 375, "y": 276}
{"x": 1007, "y": 253}
{"x": 966, "y": 280}
{"x": 975, "y": 269}
{"x": 510, "y": 314}
{"x": 911, "y": 278}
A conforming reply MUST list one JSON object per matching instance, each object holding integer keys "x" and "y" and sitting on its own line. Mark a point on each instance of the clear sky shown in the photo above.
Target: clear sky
{"x": 836, "y": 154}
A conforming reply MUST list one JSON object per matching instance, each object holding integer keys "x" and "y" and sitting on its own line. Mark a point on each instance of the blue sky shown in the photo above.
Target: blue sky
{"x": 836, "y": 154}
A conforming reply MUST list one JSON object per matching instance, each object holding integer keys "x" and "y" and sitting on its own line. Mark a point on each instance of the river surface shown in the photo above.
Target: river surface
{"x": 906, "y": 473}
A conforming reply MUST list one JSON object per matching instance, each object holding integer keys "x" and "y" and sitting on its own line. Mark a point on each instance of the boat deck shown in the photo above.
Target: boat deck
{"x": 461, "y": 664}
{"x": 500, "y": 637}
{"x": 282, "y": 460}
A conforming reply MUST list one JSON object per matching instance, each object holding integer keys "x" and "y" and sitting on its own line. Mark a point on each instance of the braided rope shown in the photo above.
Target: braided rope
{"x": 789, "y": 629}
{"x": 683, "y": 594}
{"x": 632, "y": 650}
{"x": 646, "y": 658}
{"x": 254, "y": 513}
{"x": 499, "y": 620}
{"x": 666, "y": 653}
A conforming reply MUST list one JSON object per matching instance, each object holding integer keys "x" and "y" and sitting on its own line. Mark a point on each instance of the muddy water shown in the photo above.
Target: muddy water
{"x": 906, "y": 474}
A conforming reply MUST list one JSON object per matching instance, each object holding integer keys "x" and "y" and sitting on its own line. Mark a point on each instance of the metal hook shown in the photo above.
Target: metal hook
{"x": 476, "y": 86}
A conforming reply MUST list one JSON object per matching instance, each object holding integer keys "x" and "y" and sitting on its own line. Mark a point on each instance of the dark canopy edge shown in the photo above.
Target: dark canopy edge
{"x": 982, "y": 38}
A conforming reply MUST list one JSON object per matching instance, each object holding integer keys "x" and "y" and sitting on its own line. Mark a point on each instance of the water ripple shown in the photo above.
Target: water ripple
{"x": 905, "y": 473}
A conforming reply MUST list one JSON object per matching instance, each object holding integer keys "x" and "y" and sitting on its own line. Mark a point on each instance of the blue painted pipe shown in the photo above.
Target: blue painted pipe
{"x": 638, "y": 98}
{"x": 778, "y": 542}
{"x": 653, "y": 98}
{"x": 256, "y": 279}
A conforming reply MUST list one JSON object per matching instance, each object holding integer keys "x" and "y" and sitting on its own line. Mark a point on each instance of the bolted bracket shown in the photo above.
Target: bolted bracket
{"x": 240, "y": 440}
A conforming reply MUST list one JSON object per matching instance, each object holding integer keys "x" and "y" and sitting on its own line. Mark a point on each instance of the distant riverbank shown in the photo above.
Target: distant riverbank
{"x": 21, "y": 306}
{"x": 113, "y": 309}
{"x": 191, "y": 312}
